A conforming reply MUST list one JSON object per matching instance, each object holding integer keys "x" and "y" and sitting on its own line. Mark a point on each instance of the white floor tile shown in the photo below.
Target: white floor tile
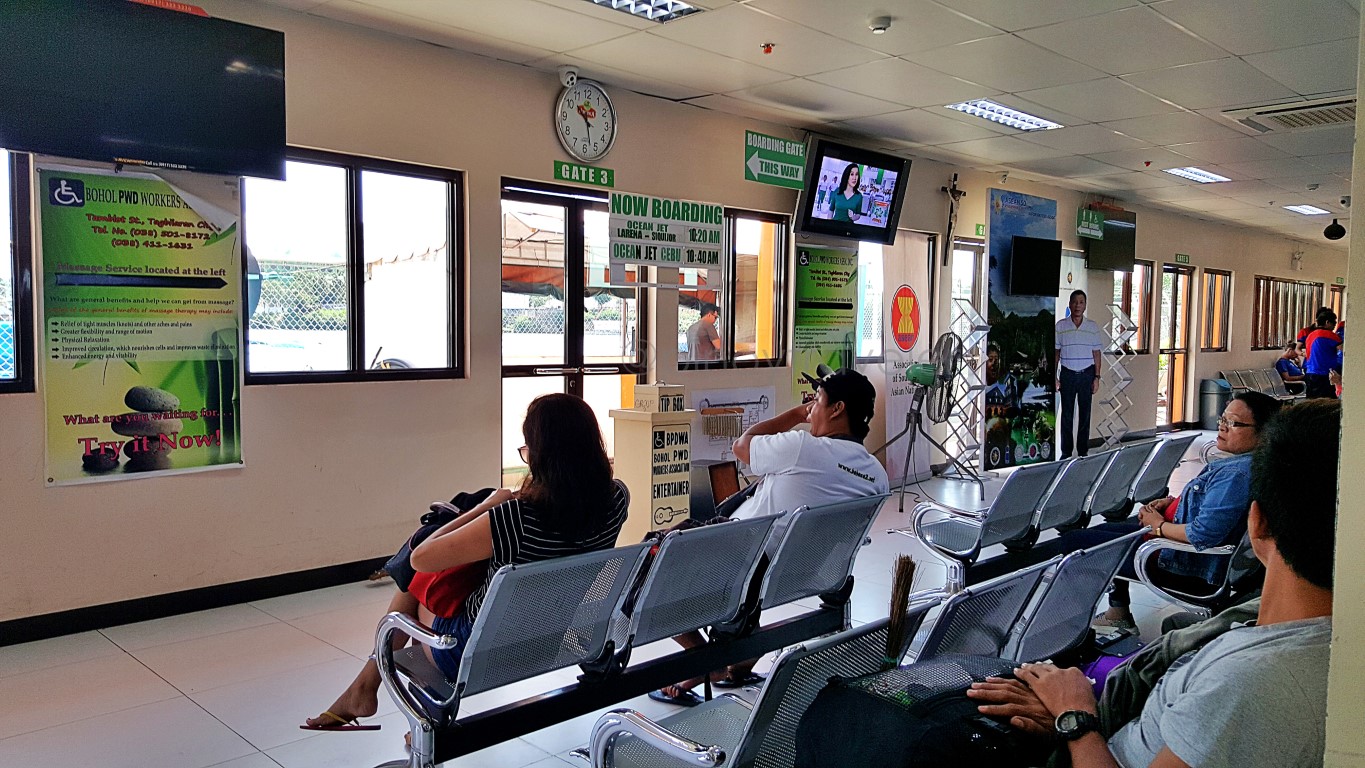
{"x": 355, "y": 748}
{"x": 30, "y": 657}
{"x": 509, "y": 754}
{"x": 289, "y": 607}
{"x": 234, "y": 657}
{"x": 167, "y": 734}
{"x": 71, "y": 692}
{"x": 188, "y": 626}
{"x": 350, "y": 629}
{"x": 267, "y": 711}
{"x": 258, "y": 760}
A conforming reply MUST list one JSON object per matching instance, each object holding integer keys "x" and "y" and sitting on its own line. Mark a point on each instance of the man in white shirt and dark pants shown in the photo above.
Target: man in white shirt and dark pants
{"x": 1079, "y": 341}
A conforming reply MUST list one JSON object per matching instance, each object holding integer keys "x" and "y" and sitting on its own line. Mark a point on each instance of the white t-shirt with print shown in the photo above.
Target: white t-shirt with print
{"x": 798, "y": 469}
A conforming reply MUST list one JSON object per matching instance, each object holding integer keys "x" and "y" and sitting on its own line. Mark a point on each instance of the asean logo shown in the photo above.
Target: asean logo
{"x": 905, "y": 318}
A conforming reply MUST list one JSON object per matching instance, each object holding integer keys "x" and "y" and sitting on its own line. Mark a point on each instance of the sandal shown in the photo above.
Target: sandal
{"x": 340, "y": 724}
{"x": 752, "y": 678}
{"x": 682, "y": 698}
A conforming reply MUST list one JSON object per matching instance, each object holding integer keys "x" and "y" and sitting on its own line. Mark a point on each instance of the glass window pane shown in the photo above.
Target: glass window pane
{"x": 758, "y": 251}
{"x": 870, "y": 289}
{"x": 296, "y": 240}
{"x": 407, "y": 233}
{"x": 701, "y": 289}
{"x": 611, "y": 313}
{"x": 532, "y": 284}
{"x": 9, "y": 368}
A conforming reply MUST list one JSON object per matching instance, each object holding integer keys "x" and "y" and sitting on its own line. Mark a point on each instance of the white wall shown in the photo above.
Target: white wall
{"x": 339, "y": 472}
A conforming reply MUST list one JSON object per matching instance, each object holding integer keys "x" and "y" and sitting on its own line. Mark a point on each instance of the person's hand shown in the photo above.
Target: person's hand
{"x": 501, "y": 495}
{"x": 1150, "y": 518}
{"x": 1095, "y": 386}
{"x": 1060, "y": 690}
{"x": 1012, "y": 699}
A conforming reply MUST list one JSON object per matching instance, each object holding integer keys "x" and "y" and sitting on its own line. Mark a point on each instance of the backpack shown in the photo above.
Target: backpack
{"x": 917, "y": 716}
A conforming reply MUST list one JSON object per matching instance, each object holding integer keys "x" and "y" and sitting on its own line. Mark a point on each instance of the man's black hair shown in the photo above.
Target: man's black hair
{"x": 1294, "y": 483}
{"x": 1078, "y": 292}
{"x": 707, "y": 308}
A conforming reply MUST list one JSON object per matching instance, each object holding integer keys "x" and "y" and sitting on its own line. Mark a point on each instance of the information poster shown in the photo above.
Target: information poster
{"x": 141, "y": 337}
{"x": 725, "y": 415}
{"x": 661, "y": 232}
{"x": 826, "y": 313}
{"x": 1020, "y": 421}
{"x": 670, "y": 475}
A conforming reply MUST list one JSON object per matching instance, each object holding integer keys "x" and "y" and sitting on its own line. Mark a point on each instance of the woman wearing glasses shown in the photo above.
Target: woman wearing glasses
{"x": 1211, "y": 511}
{"x": 567, "y": 505}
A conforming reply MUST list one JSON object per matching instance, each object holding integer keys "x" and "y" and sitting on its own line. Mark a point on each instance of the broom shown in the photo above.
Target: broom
{"x": 902, "y": 580}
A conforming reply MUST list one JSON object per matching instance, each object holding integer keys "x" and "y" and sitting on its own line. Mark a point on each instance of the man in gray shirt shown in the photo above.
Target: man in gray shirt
{"x": 1256, "y": 695}
{"x": 703, "y": 340}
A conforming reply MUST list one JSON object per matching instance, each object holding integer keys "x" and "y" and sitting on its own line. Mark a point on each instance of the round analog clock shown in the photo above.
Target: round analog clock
{"x": 585, "y": 121}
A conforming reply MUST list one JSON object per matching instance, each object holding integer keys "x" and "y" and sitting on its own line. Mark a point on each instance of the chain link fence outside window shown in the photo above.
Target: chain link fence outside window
{"x": 9, "y": 368}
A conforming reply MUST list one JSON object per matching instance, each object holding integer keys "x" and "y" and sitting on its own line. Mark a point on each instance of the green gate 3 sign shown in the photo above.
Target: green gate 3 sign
{"x": 772, "y": 160}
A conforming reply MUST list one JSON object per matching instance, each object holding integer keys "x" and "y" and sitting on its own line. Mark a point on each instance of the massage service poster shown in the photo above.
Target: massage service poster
{"x": 826, "y": 322}
{"x": 141, "y": 321}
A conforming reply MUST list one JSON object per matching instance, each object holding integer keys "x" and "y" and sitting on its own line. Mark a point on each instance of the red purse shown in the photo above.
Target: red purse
{"x": 444, "y": 592}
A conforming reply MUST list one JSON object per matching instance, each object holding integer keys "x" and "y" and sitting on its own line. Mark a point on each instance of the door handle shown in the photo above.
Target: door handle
{"x": 556, "y": 371}
{"x": 607, "y": 369}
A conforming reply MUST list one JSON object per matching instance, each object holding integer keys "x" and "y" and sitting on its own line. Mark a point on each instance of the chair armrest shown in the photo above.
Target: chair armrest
{"x": 613, "y": 724}
{"x": 1144, "y": 556}
{"x": 383, "y": 654}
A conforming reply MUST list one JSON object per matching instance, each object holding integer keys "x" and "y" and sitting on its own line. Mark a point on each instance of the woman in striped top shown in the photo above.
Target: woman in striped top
{"x": 568, "y": 504}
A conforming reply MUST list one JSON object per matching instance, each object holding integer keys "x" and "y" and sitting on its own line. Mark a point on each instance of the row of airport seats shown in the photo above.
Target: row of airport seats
{"x": 1038, "y": 497}
{"x": 1267, "y": 381}
{"x": 1034, "y": 614}
{"x": 590, "y": 610}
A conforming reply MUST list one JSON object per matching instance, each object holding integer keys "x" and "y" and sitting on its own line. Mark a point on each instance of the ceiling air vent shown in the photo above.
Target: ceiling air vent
{"x": 1278, "y": 118}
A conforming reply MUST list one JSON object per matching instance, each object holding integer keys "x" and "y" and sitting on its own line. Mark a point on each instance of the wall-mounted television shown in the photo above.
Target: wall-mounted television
{"x": 1035, "y": 266}
{"x": 117, "y": 81}
{"x": 1118, "y": 250}
{"x": 851, "y": 193}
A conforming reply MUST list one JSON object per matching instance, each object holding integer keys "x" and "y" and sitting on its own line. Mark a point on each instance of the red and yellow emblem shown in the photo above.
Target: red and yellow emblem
{"x": 905, "y": 318}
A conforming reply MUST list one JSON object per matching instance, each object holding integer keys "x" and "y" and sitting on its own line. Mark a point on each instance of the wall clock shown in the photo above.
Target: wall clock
{"x": 585, "y": 121}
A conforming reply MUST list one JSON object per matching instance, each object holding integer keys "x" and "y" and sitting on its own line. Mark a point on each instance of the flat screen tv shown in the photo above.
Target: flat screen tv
{"x": 851, "y": 193}
{"x": 1035, "y": 266}
{"x": 1118, "y": 250}
{"x": 121, "y": 82}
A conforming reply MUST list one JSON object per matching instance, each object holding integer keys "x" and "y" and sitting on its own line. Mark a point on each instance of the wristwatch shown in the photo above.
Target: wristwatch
{"x": 1074, "y": 723}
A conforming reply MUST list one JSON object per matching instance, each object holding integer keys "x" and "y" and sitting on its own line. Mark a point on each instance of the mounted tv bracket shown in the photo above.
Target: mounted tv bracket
{"x": 954, "y": 195}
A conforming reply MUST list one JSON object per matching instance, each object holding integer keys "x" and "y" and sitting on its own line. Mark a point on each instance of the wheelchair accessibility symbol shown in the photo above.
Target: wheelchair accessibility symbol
{"x": 66, "y": 192}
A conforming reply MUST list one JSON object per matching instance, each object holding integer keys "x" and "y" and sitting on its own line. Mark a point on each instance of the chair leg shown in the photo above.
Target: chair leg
{"x": 1023, "y": 543}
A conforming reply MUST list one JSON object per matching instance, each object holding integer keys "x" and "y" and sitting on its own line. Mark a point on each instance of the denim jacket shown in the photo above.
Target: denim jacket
{"x": 1213, "y": 508}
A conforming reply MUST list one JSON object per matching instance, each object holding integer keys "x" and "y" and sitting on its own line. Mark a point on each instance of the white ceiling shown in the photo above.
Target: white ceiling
{"x": 1139, "y": 84}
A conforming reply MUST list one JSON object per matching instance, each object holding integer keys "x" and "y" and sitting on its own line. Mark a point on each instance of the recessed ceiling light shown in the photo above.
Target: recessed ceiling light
{"x": 654, "y": 10}
{"x": 1306, "y": 210}
{"x": 1197, "y": 174}
{"x": 999, "y": 113}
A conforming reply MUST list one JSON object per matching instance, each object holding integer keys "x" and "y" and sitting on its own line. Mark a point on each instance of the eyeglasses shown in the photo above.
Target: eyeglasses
{"x": 522, "y": 453}
{"x": 1226, "y": 423}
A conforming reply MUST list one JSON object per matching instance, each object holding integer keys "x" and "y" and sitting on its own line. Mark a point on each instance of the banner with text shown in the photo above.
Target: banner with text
{"x": 826, "y": 313}
{"x": 905, "y": 340}
{"x": 141, "y": 318}
{"x": 660, "y": 232}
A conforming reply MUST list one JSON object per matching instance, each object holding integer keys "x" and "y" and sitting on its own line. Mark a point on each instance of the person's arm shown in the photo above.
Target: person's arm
{"x": 1012, "y": 699}
{"x": 713, "y": 336}
{"x": 1095, "y": 385}
{"x": 466, "y": 539}
{"x": 1057, "y": 369}
{"x": 1065, "y": 690}
{"x": 1224, "y": 507}
{"x": 782, "y": 422}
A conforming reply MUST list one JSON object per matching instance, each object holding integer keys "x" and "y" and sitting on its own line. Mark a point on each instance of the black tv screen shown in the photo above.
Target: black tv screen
{"x": 1118, "y": 250}
{"x": 117, "y": 81}
{"x": 852, "y": 193}
{"x": 1035, "y": 266}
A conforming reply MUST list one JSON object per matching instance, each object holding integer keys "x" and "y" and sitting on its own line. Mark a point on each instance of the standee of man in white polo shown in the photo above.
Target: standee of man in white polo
{"x": 1079, "y": 341}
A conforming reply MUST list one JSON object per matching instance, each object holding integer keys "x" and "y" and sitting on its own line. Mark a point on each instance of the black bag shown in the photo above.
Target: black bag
{"x": 400, "y": 565}
{"x": 916, "y": 716}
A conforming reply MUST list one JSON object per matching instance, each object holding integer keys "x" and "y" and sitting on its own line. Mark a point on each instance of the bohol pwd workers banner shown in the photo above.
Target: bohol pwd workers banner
{"x": 141, "y": 325}
{"x": 826, "y": 313}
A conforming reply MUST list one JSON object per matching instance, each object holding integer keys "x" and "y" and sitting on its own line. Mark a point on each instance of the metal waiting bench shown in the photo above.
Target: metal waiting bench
{"x": 559, "y": 613}
{"x": 1242, "y": 575}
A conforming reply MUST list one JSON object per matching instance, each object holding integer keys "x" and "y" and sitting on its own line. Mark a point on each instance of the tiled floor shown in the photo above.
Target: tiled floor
{"x": 228, "y": 687}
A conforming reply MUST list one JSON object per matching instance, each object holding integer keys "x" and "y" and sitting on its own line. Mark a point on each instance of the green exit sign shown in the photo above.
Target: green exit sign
{"x": 1341, "y": 281}
{"x": 1182, "y": 258}
{"x": 980, "y": 230}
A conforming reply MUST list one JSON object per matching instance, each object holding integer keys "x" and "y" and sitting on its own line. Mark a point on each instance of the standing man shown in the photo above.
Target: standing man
{"x": 703, "y": 340}
{"x": 1079, "y": 342}
{"x": 1322, "y": 346}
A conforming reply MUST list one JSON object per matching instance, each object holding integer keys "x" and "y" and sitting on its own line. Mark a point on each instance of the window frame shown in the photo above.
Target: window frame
{"x": 880, "y": 319}
{"x": 21, "y": 259}
{"x": 1207, "y": 326}
{"x": 1144, "y": 314}
{"x": 1280, "y": 307}
{"x": 727, "y": 296}
{"x": 358, "y": 370}
{"x": 1336, "y": 299}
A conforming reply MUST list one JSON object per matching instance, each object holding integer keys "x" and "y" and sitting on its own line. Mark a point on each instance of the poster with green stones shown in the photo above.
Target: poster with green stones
{"x": 826, "y": 322}
{"x": 140, "y": 327}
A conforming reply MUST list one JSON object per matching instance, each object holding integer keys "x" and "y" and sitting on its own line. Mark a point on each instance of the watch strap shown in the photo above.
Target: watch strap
{"x": 1085, "y": 722}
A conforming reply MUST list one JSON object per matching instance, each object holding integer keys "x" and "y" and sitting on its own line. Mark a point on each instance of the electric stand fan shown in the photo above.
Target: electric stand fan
{"x": 935, "y": 380}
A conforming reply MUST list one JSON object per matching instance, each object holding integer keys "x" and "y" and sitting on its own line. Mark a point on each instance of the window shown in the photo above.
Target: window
{"x": 1213, "y": 334}
{"x": 16, "y": 275}
{"x": 870, "y": 290}
{"x": 1133, "y": 294}
{"x": 748, "y": 293}
{"x": 1280, "y": 309}
{"x": 1337, "y": 301}
{"x": 353, "y": 271}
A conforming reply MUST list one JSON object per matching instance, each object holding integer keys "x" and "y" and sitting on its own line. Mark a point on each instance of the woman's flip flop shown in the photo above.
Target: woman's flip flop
{"x": 341, "y": 724}
{"x": 682, "y": 699}
{"x": 753, "y": 678}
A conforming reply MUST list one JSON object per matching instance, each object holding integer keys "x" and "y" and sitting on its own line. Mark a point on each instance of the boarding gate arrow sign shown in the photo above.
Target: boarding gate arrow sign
{"x": 772, "y": 160}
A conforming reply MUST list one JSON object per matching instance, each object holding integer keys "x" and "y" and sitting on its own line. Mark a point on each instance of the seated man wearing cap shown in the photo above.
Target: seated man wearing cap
{"x": 800, "y": 468}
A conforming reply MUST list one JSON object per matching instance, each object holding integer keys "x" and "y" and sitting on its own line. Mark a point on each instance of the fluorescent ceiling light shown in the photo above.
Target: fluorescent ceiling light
{"x": 1306, "y": 210}
{"x": 654, "y": 10}
{"x": 999, "y": 113}
{"x": 1196, "y": 174}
